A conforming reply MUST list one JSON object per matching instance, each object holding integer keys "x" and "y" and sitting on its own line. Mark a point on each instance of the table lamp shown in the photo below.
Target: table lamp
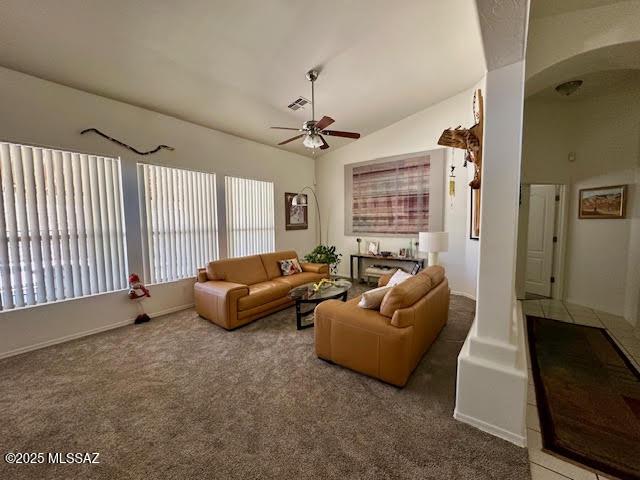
{"x": 432, "y": 243}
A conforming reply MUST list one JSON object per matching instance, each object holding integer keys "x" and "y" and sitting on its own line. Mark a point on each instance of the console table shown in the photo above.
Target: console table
{"x": 359, "y": 257}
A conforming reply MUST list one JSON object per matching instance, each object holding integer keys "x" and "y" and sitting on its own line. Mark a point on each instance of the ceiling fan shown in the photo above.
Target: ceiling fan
{"x": 312, "y": 130}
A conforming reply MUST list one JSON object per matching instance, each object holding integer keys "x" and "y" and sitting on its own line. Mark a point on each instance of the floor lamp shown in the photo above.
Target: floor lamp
{"x": 432, "y": 243}
{"x": 300, "y": 200}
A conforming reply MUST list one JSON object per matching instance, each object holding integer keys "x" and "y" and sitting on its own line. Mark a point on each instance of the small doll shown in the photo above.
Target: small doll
{"x": 138, "y": 292}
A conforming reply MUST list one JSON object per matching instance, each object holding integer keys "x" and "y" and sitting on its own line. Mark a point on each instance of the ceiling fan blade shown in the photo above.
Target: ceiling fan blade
{"x": 324, "y": 122}
{"x": 338, "y": 133}
{"x": 286, "y": 128}
{"x": 292, "y": 139}
{"x": 325, "y": 145}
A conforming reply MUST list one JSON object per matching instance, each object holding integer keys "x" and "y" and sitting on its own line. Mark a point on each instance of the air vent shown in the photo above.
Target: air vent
{"x": 298, "y": 103}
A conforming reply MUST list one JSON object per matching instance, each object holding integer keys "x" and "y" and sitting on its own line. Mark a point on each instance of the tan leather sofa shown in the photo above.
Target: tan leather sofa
{"x": 386, "y": 344}
{"x": 236, "y": 291}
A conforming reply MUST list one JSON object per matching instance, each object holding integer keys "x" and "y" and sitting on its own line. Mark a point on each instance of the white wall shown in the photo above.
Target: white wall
{"x": 38, "y": 112}
{"x": 604, "y": 132}
{"x": 416, "y": 133}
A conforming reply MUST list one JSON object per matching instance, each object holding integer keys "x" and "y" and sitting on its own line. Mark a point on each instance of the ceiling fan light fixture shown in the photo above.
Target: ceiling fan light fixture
{"x": 312, "y": 140}
{"x": 569, "y": 88}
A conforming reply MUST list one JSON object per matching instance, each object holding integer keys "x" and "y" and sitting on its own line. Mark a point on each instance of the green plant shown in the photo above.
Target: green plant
{"x": 325, "y": 254}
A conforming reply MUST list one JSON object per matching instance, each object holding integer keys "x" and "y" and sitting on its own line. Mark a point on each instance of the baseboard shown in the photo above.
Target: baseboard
{"x": 518, "y": 440}
{"x": 599, "y": 308}
{"x": 167, "y": 311}
{"x": 86, "y": 333}
{"x": 464, "y": 294}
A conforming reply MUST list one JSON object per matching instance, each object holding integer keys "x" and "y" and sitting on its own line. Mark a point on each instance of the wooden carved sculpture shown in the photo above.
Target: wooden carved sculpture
{"x": 133, "y": 149}
{"x": 469, "y": 139}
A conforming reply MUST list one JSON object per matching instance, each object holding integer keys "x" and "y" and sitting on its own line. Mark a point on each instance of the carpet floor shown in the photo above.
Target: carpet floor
{"x": 180, "y": 398}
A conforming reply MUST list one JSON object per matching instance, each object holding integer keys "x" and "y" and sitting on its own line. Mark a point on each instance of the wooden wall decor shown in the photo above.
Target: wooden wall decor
{"x": 95, "y": 130}
{"x": 470, "y": 140}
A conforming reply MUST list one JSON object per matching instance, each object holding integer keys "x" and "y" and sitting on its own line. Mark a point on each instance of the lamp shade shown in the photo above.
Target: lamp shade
{"x": 433, "y": 242}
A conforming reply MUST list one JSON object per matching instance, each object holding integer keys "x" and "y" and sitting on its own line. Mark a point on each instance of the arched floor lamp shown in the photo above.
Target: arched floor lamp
{"x": 300, "y": 200}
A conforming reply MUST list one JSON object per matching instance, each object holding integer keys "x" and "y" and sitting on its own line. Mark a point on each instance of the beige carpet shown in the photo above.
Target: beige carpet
{"x": 180, "y": 398}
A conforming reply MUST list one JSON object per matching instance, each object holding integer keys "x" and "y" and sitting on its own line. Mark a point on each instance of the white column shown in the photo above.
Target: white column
{"x": 492, "y": 371}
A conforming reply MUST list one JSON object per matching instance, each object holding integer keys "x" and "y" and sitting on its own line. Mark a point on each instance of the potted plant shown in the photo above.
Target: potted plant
{"x": 325, "y": 254}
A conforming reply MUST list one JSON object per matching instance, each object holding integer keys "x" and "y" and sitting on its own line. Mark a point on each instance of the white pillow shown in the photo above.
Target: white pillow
{"x": 372, "y": 299}
{"x": 398, "y": 277}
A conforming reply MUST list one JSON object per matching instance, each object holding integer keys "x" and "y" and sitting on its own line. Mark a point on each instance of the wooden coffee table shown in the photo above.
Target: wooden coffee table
{"x": 304, "y": 294}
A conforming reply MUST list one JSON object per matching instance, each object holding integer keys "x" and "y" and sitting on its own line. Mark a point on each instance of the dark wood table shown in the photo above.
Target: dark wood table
{"x": 359, "y": 257}
{"x": 304, "y": 294}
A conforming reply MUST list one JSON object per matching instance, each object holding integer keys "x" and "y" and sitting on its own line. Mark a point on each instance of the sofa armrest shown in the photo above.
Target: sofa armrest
{"x": 315, "y": 267}
{"x": 202, "y": 275}
{"x": 217, "y": 301}
{"x": 384, "y": 279}
{"x": 363, "y": 340}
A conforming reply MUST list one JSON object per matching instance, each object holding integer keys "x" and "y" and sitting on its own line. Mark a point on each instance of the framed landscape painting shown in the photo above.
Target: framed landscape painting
{"x": 602, "y": 202}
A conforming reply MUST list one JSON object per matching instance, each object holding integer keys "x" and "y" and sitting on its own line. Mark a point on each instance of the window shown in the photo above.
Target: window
{"x": 61, "y": 225}
{"x": 250, "y": 216}
{"x": 179, "y": 221}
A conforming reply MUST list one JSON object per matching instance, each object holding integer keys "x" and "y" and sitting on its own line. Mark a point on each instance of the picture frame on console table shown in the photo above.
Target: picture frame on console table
{"x": 296, "y": 216}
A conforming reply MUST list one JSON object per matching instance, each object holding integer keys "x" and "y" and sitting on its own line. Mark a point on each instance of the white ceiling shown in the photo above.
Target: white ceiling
{"x": 595, "y": 84}
{"x": 609, "y": 66}
{"x": 235, "y": 65}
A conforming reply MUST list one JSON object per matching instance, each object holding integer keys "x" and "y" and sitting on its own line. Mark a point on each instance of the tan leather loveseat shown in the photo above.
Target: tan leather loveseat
{"x": 236, "y": 291}
{"x": 386, "y": 344}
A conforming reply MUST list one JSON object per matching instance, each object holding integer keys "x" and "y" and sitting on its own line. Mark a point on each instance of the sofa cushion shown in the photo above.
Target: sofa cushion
{"x": 398, "y": 277}
{"x": 300, "y": 279}
{"x": 290, "y": 266}
{"x": 261, "y": 293}
{"x": 246, "y": 270}
{"x": 372, "y": 299}
{"x": 405, "y": 294}
{"x": 270, "y": 262}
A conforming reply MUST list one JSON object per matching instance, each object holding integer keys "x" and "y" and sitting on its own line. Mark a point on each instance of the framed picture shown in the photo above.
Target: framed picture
{"x": 602, "y": 202}
{"x": 474, "y": 215}
{"x": 396, "y": 196}
{"x": 403, "y": 252}
{"x": 295, "y": 215}
{"x": 372, "y": 248}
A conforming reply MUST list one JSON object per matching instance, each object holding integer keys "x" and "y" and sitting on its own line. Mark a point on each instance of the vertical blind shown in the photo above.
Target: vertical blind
{"x": 179, "y": 221}
{"x": 61, "y": 225}
{"x": 250, "y": 216}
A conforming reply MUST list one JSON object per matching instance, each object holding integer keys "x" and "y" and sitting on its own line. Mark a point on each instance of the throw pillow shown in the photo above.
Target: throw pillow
{"x": 372, "y": 299}
{"x": 398, "y": 277}
{"x": 290, "y": 266}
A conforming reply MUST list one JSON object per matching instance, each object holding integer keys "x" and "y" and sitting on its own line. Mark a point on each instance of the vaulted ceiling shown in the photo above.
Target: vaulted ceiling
{"x": 235, "y": 65}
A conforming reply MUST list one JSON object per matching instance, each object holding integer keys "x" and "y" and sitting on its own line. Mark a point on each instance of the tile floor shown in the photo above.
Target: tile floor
{"x": 543, "y": 465}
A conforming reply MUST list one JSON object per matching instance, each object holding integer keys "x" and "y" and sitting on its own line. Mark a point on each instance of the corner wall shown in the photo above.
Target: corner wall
{"x": 416, "y": 133}
{"x": 35, "y": 111}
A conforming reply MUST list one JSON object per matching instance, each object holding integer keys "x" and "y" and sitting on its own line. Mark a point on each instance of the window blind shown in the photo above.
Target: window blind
{"x": 62, "y": 229}
{"x": 250, "y": 216}
{"x": 179, "y": 221}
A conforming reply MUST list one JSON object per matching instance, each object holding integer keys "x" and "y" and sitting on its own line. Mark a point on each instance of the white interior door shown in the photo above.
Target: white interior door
{"x": 540, "y": 239}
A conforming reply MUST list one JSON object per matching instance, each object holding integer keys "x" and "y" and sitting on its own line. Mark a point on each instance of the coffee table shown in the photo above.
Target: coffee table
{"x": 304, "y": 294}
